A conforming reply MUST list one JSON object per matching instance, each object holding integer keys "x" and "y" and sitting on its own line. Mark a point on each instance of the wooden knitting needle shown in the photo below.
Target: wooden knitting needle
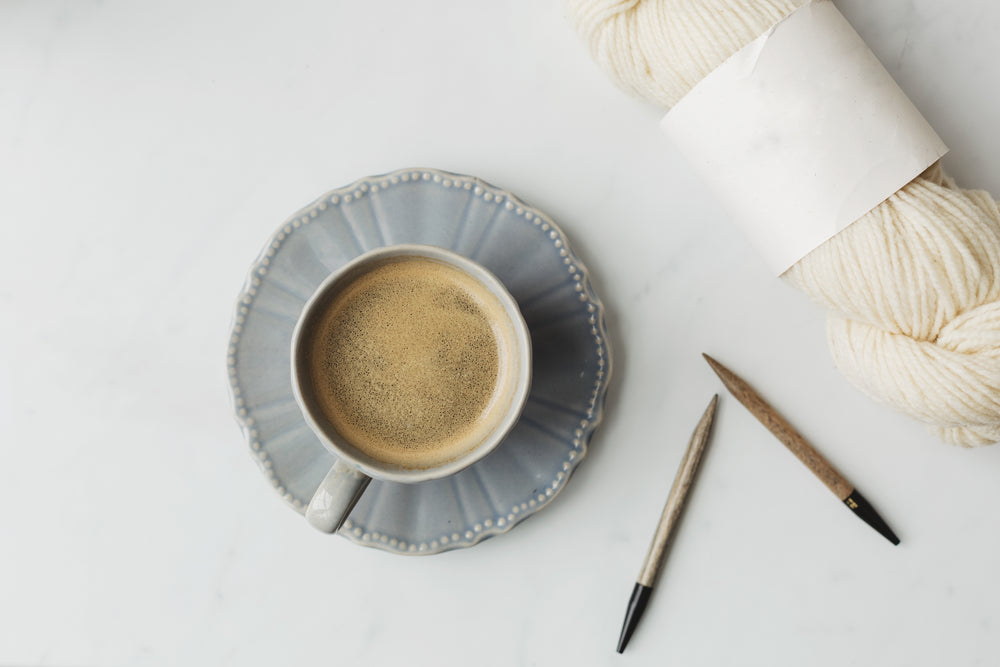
{"x": 798, "y": 445}
{"x": 668, "y": 520}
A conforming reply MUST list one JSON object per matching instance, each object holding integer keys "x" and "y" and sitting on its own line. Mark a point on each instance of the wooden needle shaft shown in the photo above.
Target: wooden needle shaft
{"x": 783, "y": 431}
{"x": 805, "y": 452}
{"x": 678, "y": 493}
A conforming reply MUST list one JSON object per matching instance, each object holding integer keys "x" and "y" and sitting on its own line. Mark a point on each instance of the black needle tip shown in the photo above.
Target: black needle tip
{"x": 867, "y": 513}
{"x": 636, "y": 605}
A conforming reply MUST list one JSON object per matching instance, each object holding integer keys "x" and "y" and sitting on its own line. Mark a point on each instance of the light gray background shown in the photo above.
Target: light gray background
{"x": 147, "y": 150}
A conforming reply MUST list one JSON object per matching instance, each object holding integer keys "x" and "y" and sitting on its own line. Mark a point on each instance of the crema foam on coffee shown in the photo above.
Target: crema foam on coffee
{"x": 405, "y": 362}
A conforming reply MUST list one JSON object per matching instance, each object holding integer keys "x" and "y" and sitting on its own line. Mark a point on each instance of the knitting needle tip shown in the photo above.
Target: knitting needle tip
{"x": 636, "y": 605}
{"x": 861, "y": 507}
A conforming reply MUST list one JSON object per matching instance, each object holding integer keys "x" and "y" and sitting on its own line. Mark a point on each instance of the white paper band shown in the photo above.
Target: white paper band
{"x": 801, "y": 133}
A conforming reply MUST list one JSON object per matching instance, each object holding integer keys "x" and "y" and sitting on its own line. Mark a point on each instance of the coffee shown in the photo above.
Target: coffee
{"x": 405, "y": 362}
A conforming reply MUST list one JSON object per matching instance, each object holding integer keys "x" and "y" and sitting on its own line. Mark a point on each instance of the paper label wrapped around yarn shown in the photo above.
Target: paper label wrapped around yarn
{"x": 801, "y": 133}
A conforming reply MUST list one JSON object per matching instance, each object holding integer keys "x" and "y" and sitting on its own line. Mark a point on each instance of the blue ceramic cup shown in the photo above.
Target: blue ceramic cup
{"x": 354, "y": 469}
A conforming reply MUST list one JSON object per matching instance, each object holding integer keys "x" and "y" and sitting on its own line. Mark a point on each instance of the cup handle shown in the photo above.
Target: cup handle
{"x": 336, "y": 497}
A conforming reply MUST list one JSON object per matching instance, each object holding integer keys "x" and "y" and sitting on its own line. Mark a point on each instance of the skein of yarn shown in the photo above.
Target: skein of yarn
{"x": 912, "y": 288}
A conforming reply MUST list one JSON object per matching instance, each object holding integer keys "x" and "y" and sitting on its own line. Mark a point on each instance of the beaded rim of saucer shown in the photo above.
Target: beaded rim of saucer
{"x": 581, "y": 435}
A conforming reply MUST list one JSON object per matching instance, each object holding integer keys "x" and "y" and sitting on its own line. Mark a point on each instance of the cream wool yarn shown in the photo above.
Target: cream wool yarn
{"x": 912, "y": 288}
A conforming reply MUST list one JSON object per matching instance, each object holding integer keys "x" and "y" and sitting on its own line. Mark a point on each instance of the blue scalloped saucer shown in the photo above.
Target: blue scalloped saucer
{"x": 528, "y": 253}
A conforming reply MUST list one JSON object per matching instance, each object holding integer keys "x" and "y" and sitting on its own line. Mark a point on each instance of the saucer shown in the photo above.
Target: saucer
{"x": 528, "y": 253}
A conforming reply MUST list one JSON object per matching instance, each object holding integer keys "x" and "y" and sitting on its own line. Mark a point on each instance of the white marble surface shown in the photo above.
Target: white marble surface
{"x": 146, "y": 152}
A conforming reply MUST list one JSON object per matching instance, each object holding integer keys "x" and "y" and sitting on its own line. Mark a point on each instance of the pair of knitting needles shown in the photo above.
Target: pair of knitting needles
{"x": 782, "y": 430}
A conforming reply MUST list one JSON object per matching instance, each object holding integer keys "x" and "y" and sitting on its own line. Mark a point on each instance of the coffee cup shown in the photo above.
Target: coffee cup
{"x": 410, "y": 363}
